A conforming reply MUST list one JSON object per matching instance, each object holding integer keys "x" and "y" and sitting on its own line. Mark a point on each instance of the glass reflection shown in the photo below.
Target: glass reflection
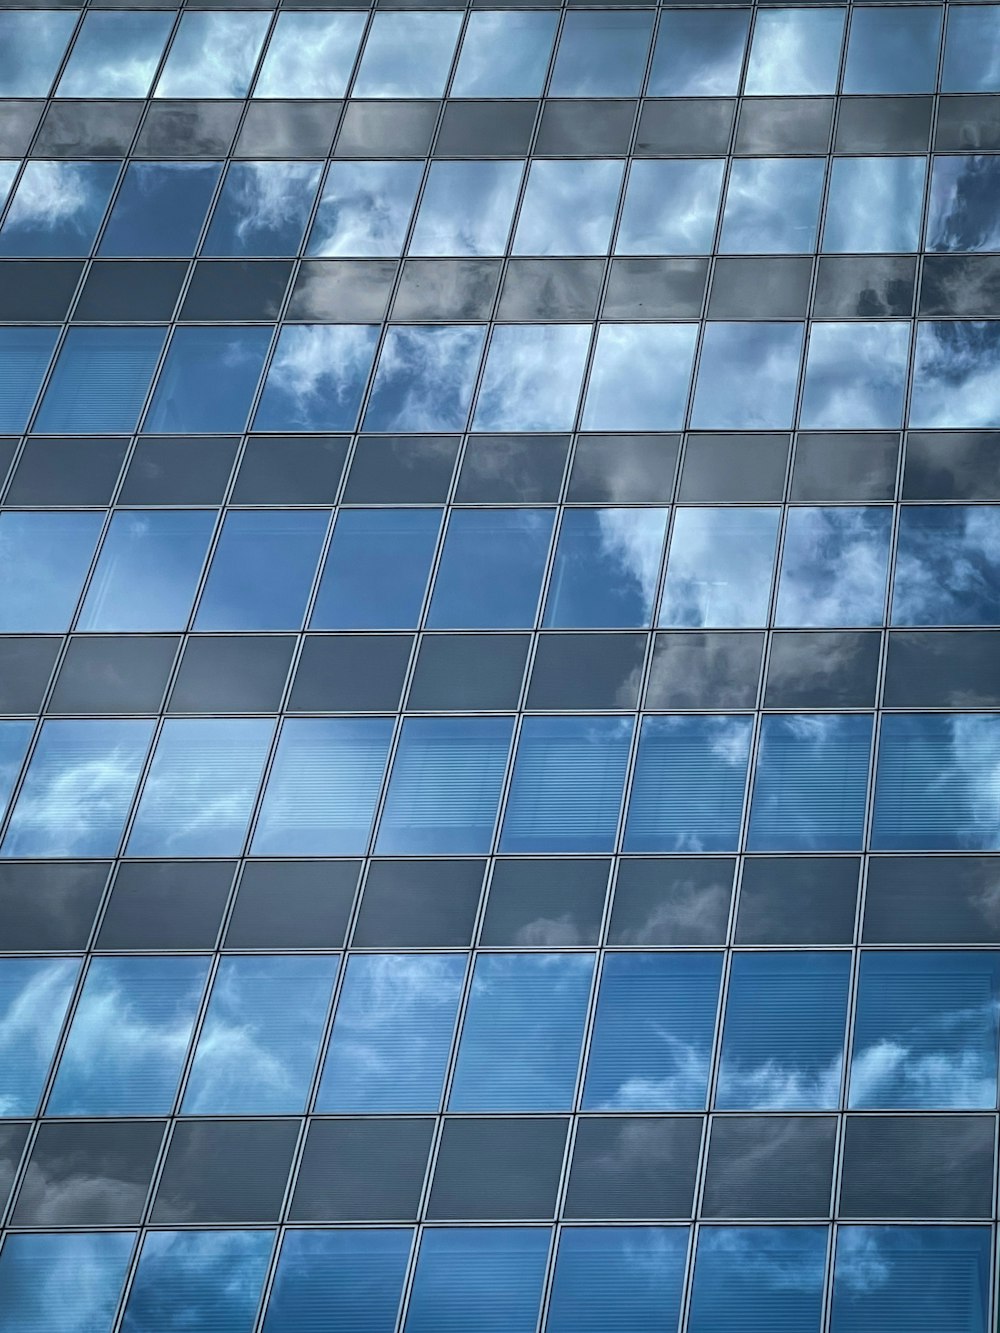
{"x": 338, "y": 1279}
{"x": 14, "y": 739}
{"x": 568, "y": 207}
{"x": 855, "y": 376}
{"x": 492, "y": 1275}
{"x": 795, "y": 52}
{"x": 670, "y": 207}
{"x": 961, "y": 212}
{"x": 947, "y": 566}
{"x": 213, "y": 54}
{"x": 160, "y": 209}
{"x": 310, "y": 55}
{"x": 8, "y": 170}
{"x": 407, "y": 55}
{"x": 504, "y": 54}
{"x": 699, "y": 53}
{"x": 956, "y": 376}
{"x": 719, "y": 568}
{"x": 874, "y": 204}
{"x": 42, "y": 1277}
{"x": 376, "y": 569}
{"x": 532, "y": 377}
{"x": 208, "y": 380}
{"x": 466, "y": 208}
{"x": 115, "y": 54}
{"x": 425, "y": 378}
{"x": 640, "y": 377}
{"x": 972, "y": 50}
{"x": 32, "y": 44}
{"x": 34, "y": 996}
{"x": 189, "y": 1280}
{"x": 618, "y": 1280}
{"x": 45, "y": 557}
{"x": 601, "y": 54}
{"x": 317, "y": 377}
{"x": 761, "y": 1278}
{"x": 606, "y": 566}
{"x": 833, "y": 566}
{"x": 100, "y": 380}
{"x": 364, "y": 209}
{"x": 893, "y": 50}
{"x": 772, "y": 205}
{"x": 263, "y": 209}
{"x": 56, "y": 209}
{"x": 491, "y": 569}
{"x": 262, "y": 570}
{"x": 747, "y": 377}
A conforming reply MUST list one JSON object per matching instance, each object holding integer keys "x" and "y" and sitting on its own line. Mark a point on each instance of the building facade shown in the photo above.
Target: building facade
{"x": 500, "y": 742}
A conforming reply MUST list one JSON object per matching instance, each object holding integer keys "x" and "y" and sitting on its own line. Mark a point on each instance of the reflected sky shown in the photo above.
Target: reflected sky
{"x": 640, "y": 377}
{"x": 504, "y": 54}
{"x": 213, "y": 54}
{"x": 376, "y": 569}
{"x": 491, "y": 569}
{"x": 160, "y": 208}
{"x": 699, "y": 53}
{"x": 56, "y": 209}
{"x": 961, "y": 213}
{"x": 601, "y": 53}
{"x": 747, "y": 377}
{"x": 69, "y": 1282}
{"x": 833, "y": 566}
{"x": 208, "y": 379}
{"x": 26, "y": 353}
{"x": 425, "y": 378}
{"x": 338, "y": 1279}
{"x": 758, "y": 1279}
{"x": 193, "y": 1280}
{"x": 407, "y": 55}
{"x": 490, "y": 1274}
{"x": 45, "y": 557}
{"x": 31, "y": 47}
{"x": 262, "y": 570}
{"x": 855, "y": 376}
{"x": 947, "y": 566}
{"x": 618, "y": 1280}
{"x": 972, "y": 50}
{"x": 14, "y": 738}
{"x": 772, "y": 205}
{"x": 568, "y": 207}
{"x": 263, "y": 209}
{"x": 100, "y": 380}
{"x": 34, "y": 995}
{"x": 719, "y": 568}
{"x": 466, "y": 208}
{"x": 8, "y": 170}
{"x": 115, "y": 54}
{"x": 873, "y": 204}
{"x": 893, "y": 50}
{"x": 670, "y": 206}
{"x": 606, "y": 566}
{"x": 795, "y": 52}
{"x": 956, "y": 376}
{"x": 317, "y": 377}
{"x": 364, "y": 209}
{"x": 532, "y": 377}
{"x": 129, "y": 1037}
{"x": 310, "y": 55}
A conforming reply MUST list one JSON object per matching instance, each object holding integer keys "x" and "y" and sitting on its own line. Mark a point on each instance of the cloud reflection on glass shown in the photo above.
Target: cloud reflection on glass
{"x": 115, "y": 54}
{"x": 466, "y": 208}
{"x": 364, "y": 209}
{"x": 956, "y": 376}
{"x": 772, "y": 205}
{"x": 833, "y": 566}
{"x": 505, "y": 53}
{"x": 187, "y": 1281}
{"x": 34, "y": 996}
{"x": 532, "y": 377}
{"x": 947, "y": 566}
{"x": 618, "y": 1280}
{"x": 759, "y": 1279}
{"x": 310, "y": 55}
{"x": 65, "y": 1282}
{"x": 606, "y": 565}
{"x": 213, "y": 54}
{"x": 32, "y": 44}
{"x": 855, "y": 376}
{"x": 45, "y": 558}
{"x": 670, "y": 207}
{"x": 698, "y": 53}
{"x": 317, "y": 377}
{"x": 640, "y": 376}
{"x": 795, "y": 52}
{"x": 747, "y": 377}
{"x": 719, "y": 568}
{"x": 263, "y": 209}
{"x": 56, "y": 209}
{"x": 407, "y": 55}
{"x": 873, "y": 204}
{"x": 568, "y": 207}
{"x": 425, "y": 378}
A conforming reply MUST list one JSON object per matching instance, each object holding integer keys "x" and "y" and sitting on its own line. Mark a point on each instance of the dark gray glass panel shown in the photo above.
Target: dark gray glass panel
{"x": 634, "y": 1168}
{"x": 89, "y": 1174}
{"x": 772, "y": 287}
{"x": 294, "y": 469}
{"x": 188, "y": 129}
{"x": 844, "y": 467}
{"x": 113, "y": 674}
{"x": 510, "y": 469}
{"x": 675, "y": 126}
{"x": 585, "y": 671}
{"x": 225, "y": 1171}
{"x": 551, "y": 289}
{"x": 784, "y": 125}
{"x": 386, "y": 129}
{"x": 125, "y": 290}
{"x": 66, "y": 472}
{"x": 350, "y": 673}
{"x": 18, "y": 121}
{"x": 232, "y": 674}
{"x": 770, "y": 1166}
{"x": 545, "y": 903}
{"x": 797, "y": 900}
{"x": 704, "y": 670}
{"x": 419, "y": 905}
{"x": 501, "y": 129}
{"x": 968, "y": 122}
{"x": 864, "y": 286}
{"x": 49, "y": 906}
{"x": 447, "y": 289}
{"x": 87, "y": 129}
{"x": 943, "y": 669}
{"x": 172, "y": 470}
{"x": 362, "y": 1171}
{"x": 655, "y": 288}
{"x": 575, "y": 127}
{"x": 13, "y": 1137}
{"x": 917, "y": 1166}
{"x": 288, "y": 129}
{"x": 623, "y": 469}
{"x": 734, "y": 468}
{"x": 30, "y": 290}
{"x": 455, "y": 672}
{"x": 235, "y": 289}
{"x": 497, "y": 1169}
{"x": 822, "y": 670}
{"x": 293, "y": 905}
{"x": 951, "y": 465}
{"x": 672, "y": 902}
{"x": 401, "y": 469}
{"x": 166, "y": 905}
{"x": 883, "y": 125}
{"x": 932, "y": 900}
{"x": 342, "y": 291}
{"x": 25, "y": 667}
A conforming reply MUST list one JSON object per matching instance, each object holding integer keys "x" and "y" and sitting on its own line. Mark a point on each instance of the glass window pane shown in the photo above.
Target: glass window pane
{"x": 392, "y": 1034}
{"x": 24, "y": 356}
{"x": 44, "y": 1276}
{"x": 45, "y": 558}
{"x": 618, "y": 1280}
{"x": 640, "y": 377}
{"x": 14, "y": 740}
{"x": 568, "y": 207}
{"x": 466, "y": 208}
{"x": 874, "y": 204}
{"x": 148, "y": 570}
{"x": 699, "y": 53}
{"x": 795, "y": 52}
{"x": 116, "y": 54}
{"x": 491, "y": 569}
{"x": 606, "y": 566}
{"x": 670, "y": 206}
{"x": 264, "y": 206}
{"x": 262, "y": 570}
{"x": 160, "y": 209}
{"x": 364, "y": 209}
{"x": 947, "y": 566}
{"x": 445, "y": 786}
{"x": 78, "y": 789}
{"x": 833, "y": 566}
{"x": 532, "y": 377}
{"x": 258, "y": 1044}
{"x": 955, "y": 374}
{"x": 191, "y": 396}
{"x": 489, "y": 1278}
{"x": 601, "y": 53}
{"x": 376, "y": 569}
{"x": 31, "y": 47}
{"x": 761, "y": 1278}
{"x": 970, "y": 47}
{"x": 960, "y": 212}
{"x": 407, "y": 55}
{"x": 719, "y": 568}
{"x": 747, "y": 377}
{"x": 926, "y": 1030}
{"x": 206, "y": 1279}
{"x": 129, "y": 1038}
{"x": 687, "y": 795}
{"x": 213, "y": 55}
{"x": 783, "y": 1039}
{"x": 100, "y": 380}
{"x": 893, "y": 50}
{"x": 317, "y": 377}
{"x": 34, "y": 996}
{"x": 772, "y": 205}
{"x": 520, "y": 1043}
{"x": 425, "y": 378}
{"x": 323, "y": 786}
{"x": 338, "y": 1279}
{"x": 310, "y": 55}
{"x": 56, "y": 209}
{"x": 855, "y": 376}
{"x": 652, "y": 1043}
{"x": 504, "y": 54}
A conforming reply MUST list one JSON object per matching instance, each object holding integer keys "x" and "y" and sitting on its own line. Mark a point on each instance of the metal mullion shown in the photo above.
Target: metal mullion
{"x": 694, "y": 1228}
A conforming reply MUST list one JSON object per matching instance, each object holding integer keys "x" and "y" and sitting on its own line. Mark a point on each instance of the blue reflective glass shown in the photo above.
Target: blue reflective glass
{"x": 772, "y": 205}
{"x": 747, "y": 377}
{"x": 45, "y": 557}
{"x": 364, "y": 209}
{"x": 504, "y": 54}
{"x": 34, "y": 996}
{"x": 955, "y": 375}
{"x": 148, "y": 570}
{"x": 407, "y": 55}
{"x": 56, "y": 209}
{"x": 258, "y": 1044}
{"x": 200, "y": 788}
{"x": 532, "y": 377}
{"x": 687, "y": 795}
{"x": 53, "y": 1283}
{"x": 926, "y": 1030}
{"x": 618, "y": 1280}
{"x": 14, "y": 739}
{"x": 795, "y": 52}
{"x": 893, "y": 49}
{"x": 719, "y": 568}
{"x": 31, "y": 47}
{"x": 466, "y": 208}
{"x": 338, "y": 1280}
{"x": 198, "y": 1282}
{"x": 264, "y": 207}
{"x": 78, "y": 789}
{"x": 24, "y": 355}
{"x": 310, "y": 55}
{"x": 699, "y": 53}
{"x": 392, "y": 1034}
{"x": 947, "y": 566}
{"x": 317, "y": 377}
{"x": 129, "y": 1037}
{"x": 115, "y": 54}
{"x": 640, "y": 377}
{"x": 874, "y": 204}
{"x": 213, "y": 54}
{"x": 934, "y": 787}
{"x": 100, "y": 380}
{"x": 208, "y": 379}
{"x": 445, "y": 786}
{"x": 601, "y": 54}
{"x": 833, "y": 566}
{"x": 425, "y": 378}
{"x": 322, "y": 789}
{"x": 960, "y": 208}
{"x": 160, "y": 209}
{"x": 652, "y": 1043}
{"x": 761, "y": 1279}
{"x": 970, "y": 46}
{"x": 8, "y": 171}
{"x": 376, "y": 569}
{"x": 670, "y": 206}
{"x": 487, "y": 1278}
{"x": 520, "y": 1043}
{"x": 566, "y": 791}
{"x": 568, "y": 207}
{"x": 855, "y": 376}
{"x": 606, "y": 565}
{"x": 491, "y": 569}
{"x": 783, "y": 1037}
{"x": 810, "y": 783}
{"x": 262, "y": 570}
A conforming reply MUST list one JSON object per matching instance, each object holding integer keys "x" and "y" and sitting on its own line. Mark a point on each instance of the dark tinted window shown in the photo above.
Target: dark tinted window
{"x": 362, "y": 1170}
{"x": 497, "y": 1169}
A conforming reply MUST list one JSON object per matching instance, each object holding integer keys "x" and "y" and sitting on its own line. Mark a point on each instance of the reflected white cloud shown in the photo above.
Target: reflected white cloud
{"x": 833, "y": 567}
{"x": 772, "y": 205}
{"x": 961, "y": 213}
{"x": 466, "y": 208}
{"x": 947, "y": 566}
{"x": 407, "y": 55}
{"x": 317, "y": 377}
{"x": 795, "y": 52}
{"x": 640, "y": 377}
{"x": 670, "y": 207}
{"x": 31, "y": 45}
{"x": 698, "y": 53}
{"x": 568, "y": 207}
{"x": 364, "y": 209}
{"x": 192, "y": 1280}
{"x": 532, "y": 377}
{"x": 65, "y": 1282}
{"x": 956, "y": 379}
{"x": 855, "y": 376}
{"x": 34, "y": 995}
{"x": 504, "y": 54}
{"x": 425, "y": 378}
{"x": 116, "y": 54}
{"x": 310, "y": 55}
{"x": 263, "y": 208}
{"x": 747, "y": 377}
{"x": 213, "y": 55}
{"x": 59, "y": 196}
{"x": 874, "y": 204}
{"x": 719, "y": 568}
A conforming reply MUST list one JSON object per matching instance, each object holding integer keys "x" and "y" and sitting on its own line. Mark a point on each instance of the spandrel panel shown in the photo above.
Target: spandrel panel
{"x": 618, "y": 1280}
{"x": 855, "y": 376}
{"x": 353, "y": 1279}
{"x": 407, "y": 55}
{"x": 670, "y": 206}
{"x": 532, "y": 377}
{"x": 795, "y": 52}
{"x": 833, "y": 566}
{"x": 317, "y": 377}
{"x": 45, "y": 558}
{"x": 34, "y": 996}
{"x": 568, "y": 207}
{"x": 466, "y": 208}
{"x": 262, "y": 570}
{"x": 947, "y": 566}
{"x": 772, "y": 205}
{"x": 762, "y": 1278}
{"x": 43, "y": 1276}
{"x": 376, "y": 569}
{"x": 601, "y": 53}
{"x": 211, "y": 1278}
{"x": 115, "y": 54}
{"x": 489, "y": 1275}
{"x": 640, "y": 377}
{"x": 57, "y": 209}
{"x": 747, "y": 376}
{"x": 263, "y": 209}
{"x": 874, "y": 204}
{"x": 719, "y": 568}
{"x": 364, "y": 209}
{"x": 425, "y": 378}
{"x": 698, "y": 53}
{"x": 213, "y": 55}
{"x": 310, "y": 55}
{"x": 504, "y": 54}
{"x": 491, "y": 569}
